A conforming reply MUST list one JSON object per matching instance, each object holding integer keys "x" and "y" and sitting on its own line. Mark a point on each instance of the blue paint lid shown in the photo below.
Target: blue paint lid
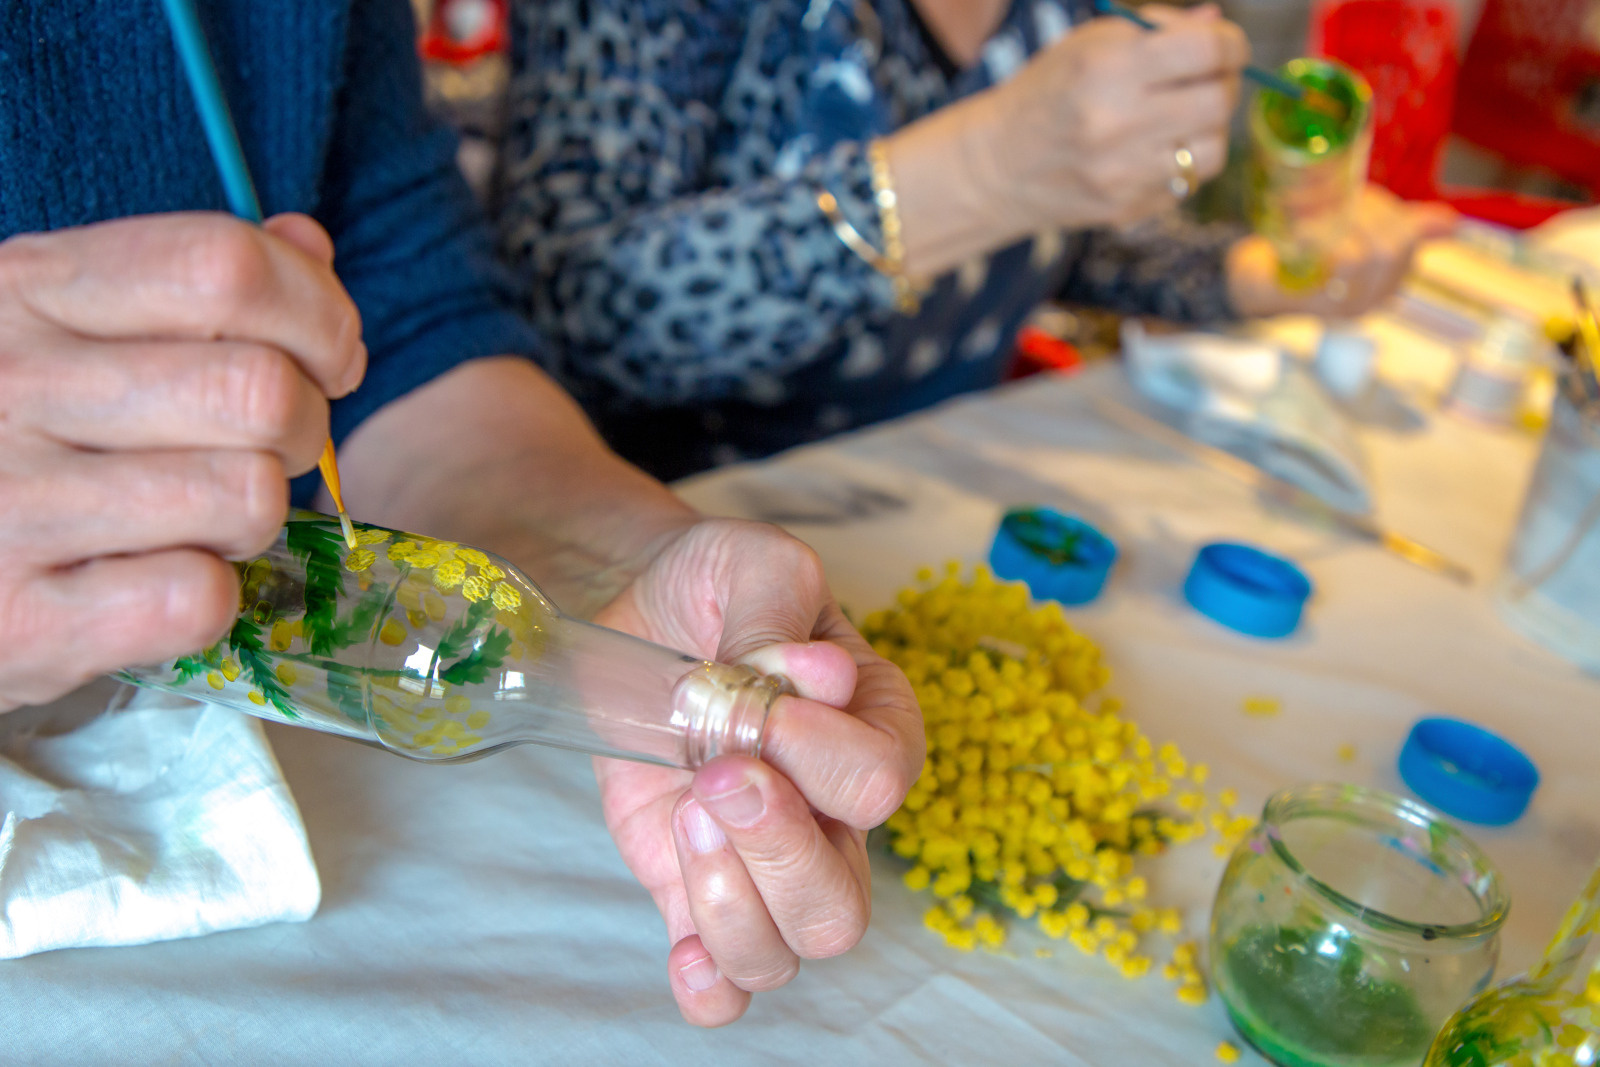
{"x": 1247, "y": 590}
{"x": 1061, "y": 557}
{"x": 1466, "y": 771}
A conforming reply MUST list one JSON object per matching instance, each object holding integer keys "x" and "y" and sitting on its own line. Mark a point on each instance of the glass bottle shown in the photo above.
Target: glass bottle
{"x": 1534, "y": 1020}
{"x": 1349, "y": 925}
{"x": 438, "y": 652}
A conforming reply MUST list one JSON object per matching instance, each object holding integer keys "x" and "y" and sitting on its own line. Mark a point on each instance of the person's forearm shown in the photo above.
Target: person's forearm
{"x": 945, "y": 186}
{"x": 495, "y": 455}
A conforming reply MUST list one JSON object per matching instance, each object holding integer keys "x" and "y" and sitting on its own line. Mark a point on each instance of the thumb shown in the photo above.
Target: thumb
{"x": 305, "y": 233}
{"x": 1434, "y": 220}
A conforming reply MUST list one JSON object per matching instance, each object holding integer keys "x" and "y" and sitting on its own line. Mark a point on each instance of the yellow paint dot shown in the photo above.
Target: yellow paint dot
{"x": 477, "y": 720}
{"x": 433, "y": 605}
{"x": 472, "y": 556}
{"x": 1347, "y": 753}
{"x": 286, "y": 673}
{"x": 230, "y": 668}
{"x": 451, "y": 728}
{"x": 372, "y": 536}
{"x": 256, "y": 698}
{"x": 215, "y": 680}
{"x": 1192, "y": 993}
{"x": 400, "y": 551}
{"x": 360, "y": 559}
{"x": 1041, "y": 952}
{"x": 1228, "y": 1052}
{"x": 449, "y": 574}
{"x": 424, "y": 558}
{"x": 1262, "y": 707}
{"x": 475, "y": 588}
{"x": 279, "y": 636}
{"x": 506, "y": 597}
{"x": 392, "y": 632}
{"x": 457, "y": 704}
{"x": 417, "y": 617}
{"x": 491, "y": 572}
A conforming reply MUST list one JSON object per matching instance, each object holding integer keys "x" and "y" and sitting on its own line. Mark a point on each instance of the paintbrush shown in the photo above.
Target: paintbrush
{"x": 1411, "y": 551}
{"x": 228, "y": 155}
{"x": 1311, "y": 97}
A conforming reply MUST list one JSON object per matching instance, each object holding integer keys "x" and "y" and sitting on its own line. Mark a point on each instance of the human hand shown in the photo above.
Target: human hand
{"x": 1087, "y": 133}
{"x": 758, "y": 864}
{"x": 1365, "y": 268}
{"x": 161, "y": 376}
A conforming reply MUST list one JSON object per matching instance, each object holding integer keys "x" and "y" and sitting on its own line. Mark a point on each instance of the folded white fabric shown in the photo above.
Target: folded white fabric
{"x": 1253, "y": 400}
{"x": 165, "y": 819}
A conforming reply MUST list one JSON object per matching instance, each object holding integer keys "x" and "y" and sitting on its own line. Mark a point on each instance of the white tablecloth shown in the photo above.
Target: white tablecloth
{"x": 479, "y": 914}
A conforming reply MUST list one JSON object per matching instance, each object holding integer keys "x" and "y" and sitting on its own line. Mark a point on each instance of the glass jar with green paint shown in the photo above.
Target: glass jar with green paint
{"x": 1349, "y": 925}
{"x": 1308, "y": 167}
{"x": 442, "y": 652}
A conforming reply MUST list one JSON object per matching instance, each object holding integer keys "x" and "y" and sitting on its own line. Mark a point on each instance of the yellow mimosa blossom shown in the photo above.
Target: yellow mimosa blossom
{"x": 371, "y": 537}
{"x": 449, "y": 574}
{"x": 475, "y": 588}
{"x": 393, "y": 632}
{"x": 360, "y": 559}
{"x": 401, "y": 551}
{"x": 506, "y": 597}
{"x": 472, "y": 556}
{"x": 1036, "y": 794}
{"x": 1227, "y": 1052}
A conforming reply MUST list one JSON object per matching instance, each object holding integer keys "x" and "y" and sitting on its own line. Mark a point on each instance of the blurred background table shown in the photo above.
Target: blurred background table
{"x": 479, "y": 914}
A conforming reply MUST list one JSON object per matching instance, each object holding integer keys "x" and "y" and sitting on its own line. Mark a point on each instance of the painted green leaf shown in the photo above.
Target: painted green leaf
{"x": 457, "y": 640}
{"x": 481, "y": 660}
{"x": 251, "y": 650}
{"x": 318, "y": 546}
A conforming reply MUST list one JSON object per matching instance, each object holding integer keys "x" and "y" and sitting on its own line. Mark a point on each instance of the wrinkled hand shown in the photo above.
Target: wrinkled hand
{"x": 159, "y": 378}
{"x": 758, "y": 864}
{"x": 1086, "y": 134}
{"x": 1365, "y": 268}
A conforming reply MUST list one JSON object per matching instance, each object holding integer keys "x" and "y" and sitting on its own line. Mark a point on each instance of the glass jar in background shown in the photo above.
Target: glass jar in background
{"x": 438, "y": 651}
{"x": 1308, "y": 169}
{"x": 1349, "y": 925}
{"x": 1550, "y": 587}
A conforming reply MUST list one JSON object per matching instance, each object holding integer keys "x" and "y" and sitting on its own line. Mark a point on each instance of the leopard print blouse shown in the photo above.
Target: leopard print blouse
{"x": 658, "y": 197}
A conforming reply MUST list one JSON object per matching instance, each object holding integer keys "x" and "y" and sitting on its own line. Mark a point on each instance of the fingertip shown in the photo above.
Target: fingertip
{"x": 818, "y": 670}
{"x": 704, "y": 994}
{"x": 305, "y": 233}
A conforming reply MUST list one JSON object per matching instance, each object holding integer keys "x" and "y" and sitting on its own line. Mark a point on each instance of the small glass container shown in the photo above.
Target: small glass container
{"x": 441, "y": 652}
{"x": 1308, "y": 168}
{"x": 1550, "y": 588}
{"x": 1348, "y": 927}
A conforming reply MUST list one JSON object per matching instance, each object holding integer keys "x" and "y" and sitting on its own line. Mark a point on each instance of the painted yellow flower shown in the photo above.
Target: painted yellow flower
{"x": 401, "y": 551}
{"x": 507, "y": 597}
{"x": 360, "y": 559}
{"x": 490, "y": 572}
{"x": 392, "y": 633}
{"x": 287, "y": 674}
{"x": 372, "y": 537}
{"x": 449, "y": 574}
{"x": 472, "y": 556}
{"x": 475, "y": 588}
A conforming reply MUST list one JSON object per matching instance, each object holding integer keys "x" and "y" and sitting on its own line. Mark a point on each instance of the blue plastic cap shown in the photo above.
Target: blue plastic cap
{"x": 1060, "y": 557}
{"x": 1247, "y": 590}
{"x": 1466, "y": 771}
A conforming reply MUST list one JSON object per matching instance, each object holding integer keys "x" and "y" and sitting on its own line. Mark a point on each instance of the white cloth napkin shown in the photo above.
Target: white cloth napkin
{"x": 167, "y": 818}
{"x": 1255, "y": 401}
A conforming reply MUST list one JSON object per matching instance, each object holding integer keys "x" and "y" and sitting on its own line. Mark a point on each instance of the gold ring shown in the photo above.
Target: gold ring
{"x": 1182, "y": 183}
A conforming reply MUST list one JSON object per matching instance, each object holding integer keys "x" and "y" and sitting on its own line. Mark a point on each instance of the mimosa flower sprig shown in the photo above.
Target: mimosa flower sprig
{"x": 1036, "y": 795}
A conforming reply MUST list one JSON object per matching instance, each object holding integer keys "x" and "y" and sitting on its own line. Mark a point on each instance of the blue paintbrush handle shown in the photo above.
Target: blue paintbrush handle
{"x": 215, "y": 117}
{"x": 1275, "y": 82}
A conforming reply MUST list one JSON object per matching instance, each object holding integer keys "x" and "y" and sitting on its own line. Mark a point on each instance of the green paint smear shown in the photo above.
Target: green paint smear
{"x": 1300, "y": 127}
{"x": 1302, "y": 1008}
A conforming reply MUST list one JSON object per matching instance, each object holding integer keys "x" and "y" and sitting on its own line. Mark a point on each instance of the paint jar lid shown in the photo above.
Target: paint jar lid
{"x": 1061, "y": 557}
{"x": 1466, "y": 771}
{"x": 1247, "y": 590}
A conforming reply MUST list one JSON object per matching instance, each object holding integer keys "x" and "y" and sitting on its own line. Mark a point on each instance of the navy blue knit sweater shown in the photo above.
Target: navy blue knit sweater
{"x": 96, "y": 122}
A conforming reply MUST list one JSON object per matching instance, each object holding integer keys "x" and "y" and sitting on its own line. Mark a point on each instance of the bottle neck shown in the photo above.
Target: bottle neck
{"x": 725, "y": 709}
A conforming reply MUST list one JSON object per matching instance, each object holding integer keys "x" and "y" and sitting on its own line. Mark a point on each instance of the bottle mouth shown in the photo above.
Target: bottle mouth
{"x": 725, "y": 709}
{"x": 1391, "y": 823}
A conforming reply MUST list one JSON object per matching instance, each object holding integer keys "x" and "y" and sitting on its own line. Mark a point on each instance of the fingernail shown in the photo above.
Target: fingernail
{"x": 700, "y": 829}
{"x": 700, "y": 975}
{"x": 730, "y": 794}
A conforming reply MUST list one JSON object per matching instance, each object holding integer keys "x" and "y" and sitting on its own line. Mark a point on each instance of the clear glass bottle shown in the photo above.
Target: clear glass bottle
{"x": 1349, "y": 925}
{"x": 1534, "y": 1019}
{"x": 438, "y": 651}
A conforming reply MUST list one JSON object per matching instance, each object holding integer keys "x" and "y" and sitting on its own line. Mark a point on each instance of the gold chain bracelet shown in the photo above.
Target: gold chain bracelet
{"x": 891, "y": 261}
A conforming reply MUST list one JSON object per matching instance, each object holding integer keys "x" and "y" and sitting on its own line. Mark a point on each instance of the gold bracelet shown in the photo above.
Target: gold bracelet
{"x": 907, "y": 299}
{"x": 849, "y": 236}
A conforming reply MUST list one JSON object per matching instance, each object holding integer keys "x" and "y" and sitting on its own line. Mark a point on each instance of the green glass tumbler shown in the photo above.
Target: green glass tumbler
{"x": 1308, "y": 168}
